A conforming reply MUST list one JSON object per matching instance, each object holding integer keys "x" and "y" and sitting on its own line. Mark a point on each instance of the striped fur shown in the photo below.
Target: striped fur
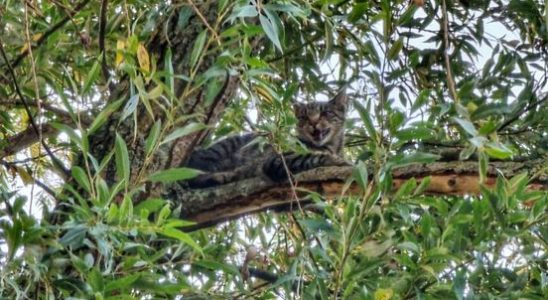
{"x": 320, "y": 127}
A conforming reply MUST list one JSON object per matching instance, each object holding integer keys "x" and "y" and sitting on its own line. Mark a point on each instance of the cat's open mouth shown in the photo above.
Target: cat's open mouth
{"x": 321, "y": 134}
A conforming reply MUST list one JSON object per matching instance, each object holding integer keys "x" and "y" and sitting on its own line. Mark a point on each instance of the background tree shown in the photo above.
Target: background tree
{"x": 104, "y": 100}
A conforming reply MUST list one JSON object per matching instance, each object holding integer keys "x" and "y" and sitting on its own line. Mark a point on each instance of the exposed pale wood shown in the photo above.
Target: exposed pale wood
{"x": 210, "y": 206}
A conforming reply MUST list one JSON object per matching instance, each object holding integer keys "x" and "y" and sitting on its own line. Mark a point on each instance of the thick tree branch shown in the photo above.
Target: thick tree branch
{"x": 211, "y": 206}
{"x": 25, "y": 139}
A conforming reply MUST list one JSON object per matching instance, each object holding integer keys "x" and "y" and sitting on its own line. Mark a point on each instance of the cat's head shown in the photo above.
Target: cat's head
{"x": 321, "y": 124}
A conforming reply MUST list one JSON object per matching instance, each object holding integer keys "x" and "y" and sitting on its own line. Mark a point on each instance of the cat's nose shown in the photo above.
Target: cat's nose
{"x": 319, "y": 133}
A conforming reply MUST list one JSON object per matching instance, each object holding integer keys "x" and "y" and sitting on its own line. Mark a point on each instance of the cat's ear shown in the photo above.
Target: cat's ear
{"x": 340, "y": 100}
{"x": 298, "y": 108}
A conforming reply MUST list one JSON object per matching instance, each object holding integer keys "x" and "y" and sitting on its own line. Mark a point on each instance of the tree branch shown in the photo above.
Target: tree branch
{"x": 49, "y": 32}
{"x": 211, "y": 206}
{"x": 25, "y": 139}
{"x": 56, "y": 162}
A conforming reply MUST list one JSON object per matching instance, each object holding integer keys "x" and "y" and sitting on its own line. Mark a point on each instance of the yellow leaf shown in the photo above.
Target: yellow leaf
{"x": 155, "y": 92}
{"x": 35, "y": 150}
{"x": 120, "y": 46}
{"x": 25, "y": 47}
{"x": 142, "y": 56}
{"x": 24, "y": 119}
{"x": 36, "y": 36}
{"x": 264, "y": 94}
{"x": 383, "y": 294}
{"x": 25, "y": 176}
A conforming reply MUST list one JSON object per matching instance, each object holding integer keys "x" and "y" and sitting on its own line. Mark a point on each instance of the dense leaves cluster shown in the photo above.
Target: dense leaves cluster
{"x": 115, "y": 89}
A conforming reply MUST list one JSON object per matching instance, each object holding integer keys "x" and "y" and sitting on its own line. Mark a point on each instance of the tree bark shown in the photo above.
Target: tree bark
{"x": 211, "y": 206}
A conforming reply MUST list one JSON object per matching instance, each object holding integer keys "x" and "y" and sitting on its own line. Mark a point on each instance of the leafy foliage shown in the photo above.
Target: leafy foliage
{"x": 420, "y": 94}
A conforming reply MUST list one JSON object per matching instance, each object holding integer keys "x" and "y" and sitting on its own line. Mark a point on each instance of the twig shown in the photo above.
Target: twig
{"x": 63, "y": 114}
{"x": 39, "y": 183}
{"x": 54, "y": 159}
{"x": 450, "y": 81}
{"x": 49, "y": 32}
{"x": 35, "y": 79}
{"x": 521, "y": 112}
{"x": 102, "y": 28}
{"x": 206, "y": 23}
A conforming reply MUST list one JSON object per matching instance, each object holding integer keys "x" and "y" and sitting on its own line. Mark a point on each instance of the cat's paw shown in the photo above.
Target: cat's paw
{"x": 329, "y": 160}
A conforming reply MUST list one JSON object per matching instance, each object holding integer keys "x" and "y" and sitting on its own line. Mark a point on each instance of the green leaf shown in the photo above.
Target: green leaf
{"x": 421, "y": 100}
{"x": 415, "y": 133}
{"x": 406, "y": 188}
{"x": 407, "y": 16}
{"x": 121, "y": 284}
{"x": 74, "y": 237}
{"x": 271, "y": 31}
{"x": 483, "y": 165}
{"x": 169, "y": 77}
{"x": 103, "y": 116}
{"x": 174, "y": 174}
{"x": 130, "y": 106}
{"x": 245, "y": 11}
{"x": 126, "y": 208}
{"x": 217, "y": 266}
{"x": 357, "y": 12}
{"x": 364, "y": 115}
{"x": 359, "y": 173}
{"x": 153, "y": 136}
{"x": 414, "y": 158}
{"x": 394, "y": 51}
{"x": 181, "y": 236}
{"x": 198, "y": 48}
{"x": 498, "y": 150}
{"x": 121, "y": 157}
{"x": 151, "y": 205}
{"x": 95, "y": 280}
{"x": 93, "y": 74}
{"x": 180, "y": 132}
{"x": 81, "y": 177}
{"x": 467, "y": 126}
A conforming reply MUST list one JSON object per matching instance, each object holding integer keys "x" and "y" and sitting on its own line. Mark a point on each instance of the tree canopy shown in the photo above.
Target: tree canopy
{"x": 103, "y": 101}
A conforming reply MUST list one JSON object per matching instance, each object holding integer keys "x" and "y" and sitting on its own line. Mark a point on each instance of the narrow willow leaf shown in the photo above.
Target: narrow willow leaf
{"x": 169, "y": 77}
{"x": 364, "y": 115}
{"x": 181, "y": 236}
{"x": 130, "y": 107}
{"x": 174, "y": 174}
{"x": 120, "y": 46}
{"x": 394, "y": 51}
{"x": 121, "y": 157}
{"x": 91, "y": 78}
{"x": 217, "y": 266}
{"x": 483, "y": 166}
{"x": 126, "y": 208}
{"x": 360, "y": 174}
{"x": 467, "y": 126}
{"x": 180, "y": 132}
{"x": 121, "y": 283}
{"x": 498, "y": 150}
{"x": 406, "y": 188}
{"x": 81, "y": 177}
{"x": 271, "y": 31}
{"x": 198, "y": 48}
{"x": 153, "y": 136}
{"x": 103, "y": 115}
{"x": 143, "y": 58}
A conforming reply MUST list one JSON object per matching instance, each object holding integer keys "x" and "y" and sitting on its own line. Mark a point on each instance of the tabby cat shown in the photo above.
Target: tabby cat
{"x": 320, "y": 127}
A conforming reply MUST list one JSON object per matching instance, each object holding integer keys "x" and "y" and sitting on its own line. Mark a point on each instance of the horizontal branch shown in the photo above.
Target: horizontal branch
{"x": 211, "y": 206}
{"x": 25, "y": 139}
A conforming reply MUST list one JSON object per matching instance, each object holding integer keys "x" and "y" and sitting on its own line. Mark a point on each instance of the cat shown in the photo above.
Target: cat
{"x": 320, "y": 127}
